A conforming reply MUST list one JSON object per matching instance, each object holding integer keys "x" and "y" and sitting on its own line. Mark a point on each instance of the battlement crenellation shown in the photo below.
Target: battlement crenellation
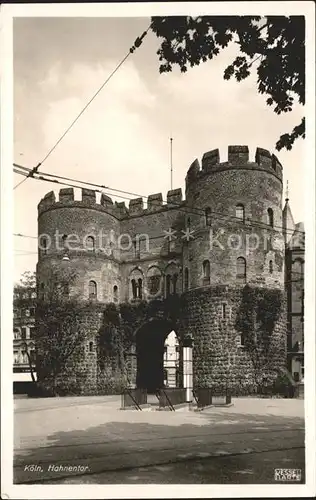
{"x": 238, "y": 157}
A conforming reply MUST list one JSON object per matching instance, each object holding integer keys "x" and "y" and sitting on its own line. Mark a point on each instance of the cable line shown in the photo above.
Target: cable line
{"x": 188, "y": 210}
{"x": 137, "y": 43}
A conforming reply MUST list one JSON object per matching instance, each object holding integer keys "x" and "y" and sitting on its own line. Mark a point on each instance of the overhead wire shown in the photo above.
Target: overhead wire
{"x": 188, "y": 210}
{"x": 137, "y": 43}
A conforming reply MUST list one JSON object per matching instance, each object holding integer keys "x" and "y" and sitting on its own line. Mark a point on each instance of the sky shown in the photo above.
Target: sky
{"x": 123, "y": 138}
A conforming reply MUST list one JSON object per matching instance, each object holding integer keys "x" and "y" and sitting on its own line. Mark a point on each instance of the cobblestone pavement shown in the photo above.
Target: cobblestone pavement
{"x": 243, "y": 443}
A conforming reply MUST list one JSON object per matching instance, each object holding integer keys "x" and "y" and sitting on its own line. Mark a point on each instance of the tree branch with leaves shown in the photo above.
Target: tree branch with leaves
{"x": 271, "y": 46}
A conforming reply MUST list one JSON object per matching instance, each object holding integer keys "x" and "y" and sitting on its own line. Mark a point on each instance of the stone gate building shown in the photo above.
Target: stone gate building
{"x": 224, "y": 237}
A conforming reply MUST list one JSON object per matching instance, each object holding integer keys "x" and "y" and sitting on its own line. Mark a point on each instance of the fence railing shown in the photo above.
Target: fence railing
{"x": 133, "y": 397}
{"x": 207, "y": 396}
{"x": 170, "y": 397}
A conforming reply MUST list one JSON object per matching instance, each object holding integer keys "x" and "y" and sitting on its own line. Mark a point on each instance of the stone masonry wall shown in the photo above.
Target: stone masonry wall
{"x": 218, "y": 358}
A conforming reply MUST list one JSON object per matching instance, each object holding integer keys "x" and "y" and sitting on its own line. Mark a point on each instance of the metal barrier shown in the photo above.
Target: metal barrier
{"x": 169, "y": 397}
{"x": 207, "y": 396}
{"x": 134, "y": 397}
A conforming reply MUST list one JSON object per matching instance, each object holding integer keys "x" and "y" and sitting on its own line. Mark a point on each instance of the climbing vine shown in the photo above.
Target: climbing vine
{"x": 258, "y": 313}
{"x": 121, "y": 321}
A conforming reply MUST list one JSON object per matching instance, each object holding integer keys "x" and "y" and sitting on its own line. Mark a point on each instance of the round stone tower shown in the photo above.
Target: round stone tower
{"x": 235, "y": 219}
{"x": 77, "y": 240}
{"x": 80, "y": 235}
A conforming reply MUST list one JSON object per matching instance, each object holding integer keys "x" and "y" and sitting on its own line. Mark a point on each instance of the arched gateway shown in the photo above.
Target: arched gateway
{"x": 231, "y": 300}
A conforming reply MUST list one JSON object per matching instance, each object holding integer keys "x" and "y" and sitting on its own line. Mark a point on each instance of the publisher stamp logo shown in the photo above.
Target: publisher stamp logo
{"x": 287, "y": 474}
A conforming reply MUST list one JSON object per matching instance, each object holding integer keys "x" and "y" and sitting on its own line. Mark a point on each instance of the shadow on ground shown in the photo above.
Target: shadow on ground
{"x": 244, "y": 442}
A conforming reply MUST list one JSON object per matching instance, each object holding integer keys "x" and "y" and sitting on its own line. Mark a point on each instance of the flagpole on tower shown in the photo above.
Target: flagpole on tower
{"x": 171, "y": 165}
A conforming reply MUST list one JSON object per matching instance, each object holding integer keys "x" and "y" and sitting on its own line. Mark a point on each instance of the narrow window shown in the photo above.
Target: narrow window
{"x": 66, "y": 289}
{"x": 64, "y": 241}
{"x": 270, "y": 266}
{"x": 140, "y": 288}
{"x": 240, "y": 340}
{"x": 136, "y": 249}
{"x": 23, "y": 333}
{"x": 92, "y": 289}
{"x": 188, "y": 222}
{"x": 270, "y": 217}
{"x": 90, "y": 346}
{"x": 134, "y": 289}
{"x": 32, "y": 332}
{"x": 186, "y": 279}
{"x": 241, "y": 268}
{"x": 224, "y": 311}
{"x": 168, "y": 285}
{"x": 206, "y": 272}
{"x": 240, "y": 212}
{"x": 115, "y": 293}
{"x": 44, "y": 245}
{"x": 208, "y": 216}
{"x": 90, "y": 244}
{"x": 174, "y": 283}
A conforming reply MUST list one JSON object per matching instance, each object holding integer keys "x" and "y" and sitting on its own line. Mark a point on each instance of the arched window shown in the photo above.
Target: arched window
{"x": 90, "y": 243}
{"x": 240, "y": 212}
{"x": 188, "y": 222}
{"x": 186, "y": 279}
{"x": 241, "y": 268}
{"x": 90, "y": 346}
{"x": 136, "y": 281}
{"x": 270, "y": 266}
{"x": 92, "y": 289}
{"x": 270, "y": 217}
{"x": 115, "y": 293}
{"x": 64, "y": 241}
{"x": 208, "y": 216}
{"x": 206, "y": 272}
{"x": 43, "y": 245}
{"x": 154, "y": 280}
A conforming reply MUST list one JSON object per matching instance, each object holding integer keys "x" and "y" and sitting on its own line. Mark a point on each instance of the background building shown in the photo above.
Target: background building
{"x": 24, "y": 303}
{"x": 171, "y": 361}
{"x": 294, "y": 278}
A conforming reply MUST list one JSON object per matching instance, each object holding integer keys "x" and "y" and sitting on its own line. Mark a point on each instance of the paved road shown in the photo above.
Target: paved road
{"x": 240, "y": 444}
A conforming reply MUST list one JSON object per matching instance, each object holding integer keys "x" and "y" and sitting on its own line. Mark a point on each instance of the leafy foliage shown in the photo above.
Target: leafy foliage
{"x": 258, "y": 313}
{"x": 273, "y": 46}
{"x": 121, "y": 321}
{"x": 59, "y": 329}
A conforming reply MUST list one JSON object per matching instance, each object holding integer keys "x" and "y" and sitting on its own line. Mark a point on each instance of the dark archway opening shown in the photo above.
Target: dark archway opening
{"x": 151, "y": 352}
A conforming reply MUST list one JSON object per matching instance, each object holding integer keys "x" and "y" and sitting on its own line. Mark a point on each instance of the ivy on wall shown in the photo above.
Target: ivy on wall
{"x": 121, "y": 321}
{"x": 259, "y": 311}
